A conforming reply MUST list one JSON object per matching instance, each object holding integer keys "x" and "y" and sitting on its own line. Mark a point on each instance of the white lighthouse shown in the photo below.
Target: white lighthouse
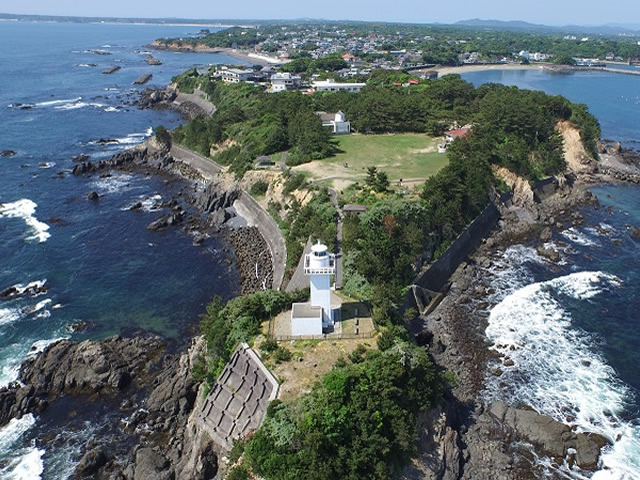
{"x": 320, "y": 265}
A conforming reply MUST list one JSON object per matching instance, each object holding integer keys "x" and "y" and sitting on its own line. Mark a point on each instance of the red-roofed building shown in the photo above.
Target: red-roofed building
{"x": 347, "y": 57}
{"x": 463, "y": 132}
{"x": 414, "y": 81}
{"x": 451, "y": 135}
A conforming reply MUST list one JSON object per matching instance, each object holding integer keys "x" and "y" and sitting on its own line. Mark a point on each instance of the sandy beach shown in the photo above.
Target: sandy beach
{"x": 442, "y": 71}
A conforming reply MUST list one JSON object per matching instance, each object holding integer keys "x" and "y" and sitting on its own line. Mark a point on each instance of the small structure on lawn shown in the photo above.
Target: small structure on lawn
{"x": 315, "y": 317}
{"x": 452, "y": 135}
{"x": 336, "y": 121}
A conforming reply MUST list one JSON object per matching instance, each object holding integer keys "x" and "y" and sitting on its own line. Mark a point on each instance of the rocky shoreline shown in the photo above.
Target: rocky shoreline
{"x": 467, "y": 438}
{"x": 151, "y": 393}
{"x": 199, "y": 209}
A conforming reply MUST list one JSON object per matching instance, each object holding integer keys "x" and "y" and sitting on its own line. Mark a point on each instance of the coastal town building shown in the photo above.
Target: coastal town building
{"x": 284, "y": 81}
{"x": 234, "y": 75}
{"x": 452, "y": 135}
{"x": 315, "y": 317}
{"x": 333, "y": 86}
{"x": 336, "y": 121}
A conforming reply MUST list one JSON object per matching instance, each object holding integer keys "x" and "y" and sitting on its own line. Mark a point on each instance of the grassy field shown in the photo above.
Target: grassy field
{"x": 402, "y": 156}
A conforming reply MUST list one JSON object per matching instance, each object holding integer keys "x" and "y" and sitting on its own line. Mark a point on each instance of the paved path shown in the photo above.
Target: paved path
{"x": 246, "y": 207}
{"x": 205, "y": 166}
{"x": 333, "y": 195}
{"x": 199, "y": 98}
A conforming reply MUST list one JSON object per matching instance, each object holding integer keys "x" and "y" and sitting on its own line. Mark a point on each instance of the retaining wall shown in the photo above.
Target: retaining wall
{"x": 256, "y": 216}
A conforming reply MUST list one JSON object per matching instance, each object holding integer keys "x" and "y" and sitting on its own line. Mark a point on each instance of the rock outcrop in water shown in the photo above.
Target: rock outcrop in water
{"x": 94, "y": 369}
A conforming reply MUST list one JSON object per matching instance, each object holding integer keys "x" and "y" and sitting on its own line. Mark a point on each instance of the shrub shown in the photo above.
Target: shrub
{"x": 259, "y": 188}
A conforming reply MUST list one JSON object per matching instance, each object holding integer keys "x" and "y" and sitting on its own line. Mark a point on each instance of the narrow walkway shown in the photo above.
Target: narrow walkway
{"x": 333, "y": 195}
{"x": 199, "y": 98}
{"x": 205, "y": 166}
{"x": 246, "y": 207}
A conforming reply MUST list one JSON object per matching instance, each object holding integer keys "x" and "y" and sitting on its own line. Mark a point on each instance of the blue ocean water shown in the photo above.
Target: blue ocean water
{"x": 571, "y": 329}
{"x": 98, "y": 260}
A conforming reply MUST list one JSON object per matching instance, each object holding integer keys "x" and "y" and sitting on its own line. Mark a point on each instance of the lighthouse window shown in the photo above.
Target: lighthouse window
{"x": 319, "y": 254}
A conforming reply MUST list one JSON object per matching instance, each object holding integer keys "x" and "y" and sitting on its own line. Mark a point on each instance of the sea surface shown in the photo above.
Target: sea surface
{"x": 572, "y": 329}
{"x": 99, "y": 264}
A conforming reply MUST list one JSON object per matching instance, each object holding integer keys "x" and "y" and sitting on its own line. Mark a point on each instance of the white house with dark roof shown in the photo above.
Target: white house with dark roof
{"x": 235, "y": 75}
{"x": 336, "y": 121}
{"x": 284, "y": 81}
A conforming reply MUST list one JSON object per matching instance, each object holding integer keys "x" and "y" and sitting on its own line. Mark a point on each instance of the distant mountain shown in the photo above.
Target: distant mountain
{"x": 519, "y": 25}
{"x": 502, "y": 24}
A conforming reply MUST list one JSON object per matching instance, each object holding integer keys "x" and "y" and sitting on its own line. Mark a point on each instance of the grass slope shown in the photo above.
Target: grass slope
{"x": 402, "y": 156}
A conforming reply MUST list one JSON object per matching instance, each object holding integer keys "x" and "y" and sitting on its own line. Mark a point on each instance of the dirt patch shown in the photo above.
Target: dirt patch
{"x": 312, "y": 359}
{"x": 574, "y": 153}
{"x": 430, "y": 149}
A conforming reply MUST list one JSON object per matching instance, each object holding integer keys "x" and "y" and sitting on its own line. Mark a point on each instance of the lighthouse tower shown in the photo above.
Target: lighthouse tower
{"x": 320, "y": 265}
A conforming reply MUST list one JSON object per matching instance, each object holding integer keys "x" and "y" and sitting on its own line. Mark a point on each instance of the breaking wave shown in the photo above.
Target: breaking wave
{"x": 552, "y": 366}
{"x": 25, "y": 209}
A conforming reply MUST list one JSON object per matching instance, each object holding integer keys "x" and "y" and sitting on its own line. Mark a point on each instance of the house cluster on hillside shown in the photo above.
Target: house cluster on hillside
{"x": 281, "y": 81}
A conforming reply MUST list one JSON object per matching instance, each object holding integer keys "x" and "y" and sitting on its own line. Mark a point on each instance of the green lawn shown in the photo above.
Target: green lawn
{"x": 402, "y": 156}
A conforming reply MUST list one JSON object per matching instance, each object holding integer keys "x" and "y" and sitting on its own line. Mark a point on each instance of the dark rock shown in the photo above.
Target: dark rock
{"x": 7, "y": 153}
{"x": 549, "y": 253}
{"x": 106, "y": 141}
{"x": 159, "y": 224}
{"x": 136, "y": 206}
{"x": 91, "y": 462}
{"x": 80, "y": 158}
{"x": 151, "y": 465}
{"x": 67, "y": 368}
{"x": 93, "y": 196}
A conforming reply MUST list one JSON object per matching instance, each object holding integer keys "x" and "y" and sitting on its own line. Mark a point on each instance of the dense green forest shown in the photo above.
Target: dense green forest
{"x": 512, "y": 128}
{"x": 254, "y": 122}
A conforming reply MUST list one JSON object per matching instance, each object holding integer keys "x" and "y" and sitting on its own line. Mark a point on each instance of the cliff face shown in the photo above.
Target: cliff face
{"x": 578, "y": 161}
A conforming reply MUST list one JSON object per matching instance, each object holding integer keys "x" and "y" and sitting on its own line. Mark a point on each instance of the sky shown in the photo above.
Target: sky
{"x": 549, "y": 12}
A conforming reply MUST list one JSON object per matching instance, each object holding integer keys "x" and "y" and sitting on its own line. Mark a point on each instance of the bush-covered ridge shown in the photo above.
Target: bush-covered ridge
{"x": 513, "y": 128}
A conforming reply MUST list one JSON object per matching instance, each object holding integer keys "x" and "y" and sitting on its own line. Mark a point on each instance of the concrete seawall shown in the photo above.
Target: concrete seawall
{"x": 256, "y": 216}
{"x": 246, "y": 207}
{"x": 425, "y": 287}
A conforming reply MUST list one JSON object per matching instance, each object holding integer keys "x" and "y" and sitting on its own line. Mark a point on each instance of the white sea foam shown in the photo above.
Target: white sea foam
{"x": 556, "y": 369}
{"x": 118, "y": 182}
{"x": 23, "y": 463}
{"x": 8, "y": 315}
{"x": 76, "y": 105}
{"x": 47, "y": 165}
{"x": 27, "y": 467}
{"x": 40, "y": 345}
{"x": 15, "y": 429}
{"x": 577, "y": 237}
{"x": 36, "y": 284}
{"x": 52, "y": 103}
{"x": 149, "y": 204}
{"x": 111, "y": 109}
{"x": 25, "y": 209}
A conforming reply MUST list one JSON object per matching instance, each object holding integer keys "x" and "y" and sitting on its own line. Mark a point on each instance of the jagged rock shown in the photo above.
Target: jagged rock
{"x": 68, "y": 368}
{"x": 159, "y": 224}
{"x": 549, "y": 253}
{"x": 93, "y": 196}
{"x": 552, "y": 437}
{"x": 7, "y": 153}
{"x": 136, "y": 206}
{"x": 80, "y": 158}
{"x": 150, "y": 465}
{"x": 91, "y": 462}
